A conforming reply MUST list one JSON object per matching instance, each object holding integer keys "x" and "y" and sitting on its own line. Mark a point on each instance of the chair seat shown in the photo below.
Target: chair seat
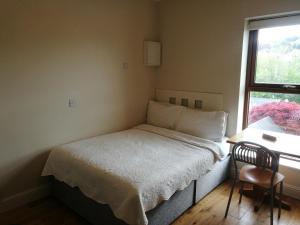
{"x": 259, "y": 176}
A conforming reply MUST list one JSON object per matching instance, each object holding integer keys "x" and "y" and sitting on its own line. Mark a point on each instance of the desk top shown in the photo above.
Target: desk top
{"x": 285, "y": 144}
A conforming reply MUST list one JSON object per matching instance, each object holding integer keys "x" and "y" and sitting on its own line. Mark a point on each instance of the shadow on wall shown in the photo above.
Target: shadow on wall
{"x": 15, "y": 174}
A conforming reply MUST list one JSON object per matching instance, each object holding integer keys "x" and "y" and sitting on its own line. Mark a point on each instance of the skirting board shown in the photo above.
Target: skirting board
{"x": 24, "y": 197}
{"x": 291, "y": 190}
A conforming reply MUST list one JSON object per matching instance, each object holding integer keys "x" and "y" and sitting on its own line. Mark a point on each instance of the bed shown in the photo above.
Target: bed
{"x": 145, "y": 175}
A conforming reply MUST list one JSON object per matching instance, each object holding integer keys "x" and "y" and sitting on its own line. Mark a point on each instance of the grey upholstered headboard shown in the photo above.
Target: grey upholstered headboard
{"x": 200, "y": 100}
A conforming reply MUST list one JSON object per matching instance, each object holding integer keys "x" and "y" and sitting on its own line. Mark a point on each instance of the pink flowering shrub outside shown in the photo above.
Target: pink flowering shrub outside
{"x": 284, "y": 114}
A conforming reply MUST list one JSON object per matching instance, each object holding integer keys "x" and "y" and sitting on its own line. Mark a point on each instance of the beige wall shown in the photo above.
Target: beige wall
{"x": 53, "y": 49}
{"x": 202, "y": 45}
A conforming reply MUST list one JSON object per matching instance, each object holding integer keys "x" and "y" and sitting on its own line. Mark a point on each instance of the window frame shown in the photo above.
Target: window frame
{"x": 252, "y": 86}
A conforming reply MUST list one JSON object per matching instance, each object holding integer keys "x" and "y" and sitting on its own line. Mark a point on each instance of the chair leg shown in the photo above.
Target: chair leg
{"x": 241, "y": 192}
{"x": 280, "y": 195}
{"x": 230, "y": 196}
{"x": 271, "y": 205}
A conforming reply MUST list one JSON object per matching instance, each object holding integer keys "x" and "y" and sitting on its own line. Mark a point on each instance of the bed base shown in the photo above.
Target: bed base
{"x": 164, "y": 214}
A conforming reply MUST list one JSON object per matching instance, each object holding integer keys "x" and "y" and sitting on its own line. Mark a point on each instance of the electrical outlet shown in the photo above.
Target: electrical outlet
{"x": 172, "y": 100}
{"x": 198, "y": 104}
{"x": 185, "y": 102}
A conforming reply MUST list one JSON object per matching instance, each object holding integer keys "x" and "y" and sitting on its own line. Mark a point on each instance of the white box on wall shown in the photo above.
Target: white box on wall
{"x": 152, "y": 53}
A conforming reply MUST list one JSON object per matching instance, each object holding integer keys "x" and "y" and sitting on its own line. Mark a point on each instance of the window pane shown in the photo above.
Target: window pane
{"x": 278, "y": 55}
{"x": 275, "y": 112}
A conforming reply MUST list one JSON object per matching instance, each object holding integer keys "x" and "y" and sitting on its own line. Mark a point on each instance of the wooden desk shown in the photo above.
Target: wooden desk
{"x": 285, "y": 144}
{"x": 288, "y": 145}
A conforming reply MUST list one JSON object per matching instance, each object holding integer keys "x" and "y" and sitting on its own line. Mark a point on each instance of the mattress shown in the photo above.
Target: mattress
{"x": 134, "y": 170}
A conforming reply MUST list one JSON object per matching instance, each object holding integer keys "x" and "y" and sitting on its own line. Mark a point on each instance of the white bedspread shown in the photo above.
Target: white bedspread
{"x": 134, "y": 170}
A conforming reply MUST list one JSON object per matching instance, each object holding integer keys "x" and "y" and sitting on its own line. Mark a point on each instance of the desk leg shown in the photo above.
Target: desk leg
{"x": 257, "y": 193}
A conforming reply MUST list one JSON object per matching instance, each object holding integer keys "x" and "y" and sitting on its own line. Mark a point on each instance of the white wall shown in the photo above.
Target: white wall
{"x": 53, "y": 49}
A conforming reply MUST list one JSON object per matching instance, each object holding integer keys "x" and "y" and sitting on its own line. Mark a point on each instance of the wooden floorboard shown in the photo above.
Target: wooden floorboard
{"x": 209, "y": 211}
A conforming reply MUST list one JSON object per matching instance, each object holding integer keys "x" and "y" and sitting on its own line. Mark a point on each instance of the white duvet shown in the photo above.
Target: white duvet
{"x": 134, "y": 170}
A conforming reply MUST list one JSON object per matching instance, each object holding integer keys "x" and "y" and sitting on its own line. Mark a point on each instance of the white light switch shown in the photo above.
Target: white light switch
{"x": 71, "y": 102}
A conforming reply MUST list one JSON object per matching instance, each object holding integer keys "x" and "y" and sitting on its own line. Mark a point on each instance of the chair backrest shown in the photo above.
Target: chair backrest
{"x": 255, "y": 154}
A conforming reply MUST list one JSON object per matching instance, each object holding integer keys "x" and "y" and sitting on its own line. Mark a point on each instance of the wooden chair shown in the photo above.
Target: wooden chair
{"x": 261, "y": 170}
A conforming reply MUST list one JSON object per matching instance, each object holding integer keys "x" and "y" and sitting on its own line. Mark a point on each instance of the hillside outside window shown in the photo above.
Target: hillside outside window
{"x": 272, "y": 99}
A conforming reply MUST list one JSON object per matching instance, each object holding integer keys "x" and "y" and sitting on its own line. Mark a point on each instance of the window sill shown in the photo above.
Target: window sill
{"x": 289, "y": 163}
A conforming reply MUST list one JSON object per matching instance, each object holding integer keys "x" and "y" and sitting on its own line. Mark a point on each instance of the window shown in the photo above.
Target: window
{"x": 272, "y": 100}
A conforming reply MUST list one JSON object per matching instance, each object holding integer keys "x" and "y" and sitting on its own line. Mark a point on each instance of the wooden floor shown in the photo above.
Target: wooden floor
{"x": 209, "y": 211}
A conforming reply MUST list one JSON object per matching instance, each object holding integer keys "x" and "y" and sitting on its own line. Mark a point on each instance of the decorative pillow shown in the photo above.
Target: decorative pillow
{"x": 163, "y": 114}
{"x": 207, "y": 125}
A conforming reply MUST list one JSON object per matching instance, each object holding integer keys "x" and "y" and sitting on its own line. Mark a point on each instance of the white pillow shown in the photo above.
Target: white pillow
{"x": 207, "y": 125}
{"x": 163, "y": 114}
